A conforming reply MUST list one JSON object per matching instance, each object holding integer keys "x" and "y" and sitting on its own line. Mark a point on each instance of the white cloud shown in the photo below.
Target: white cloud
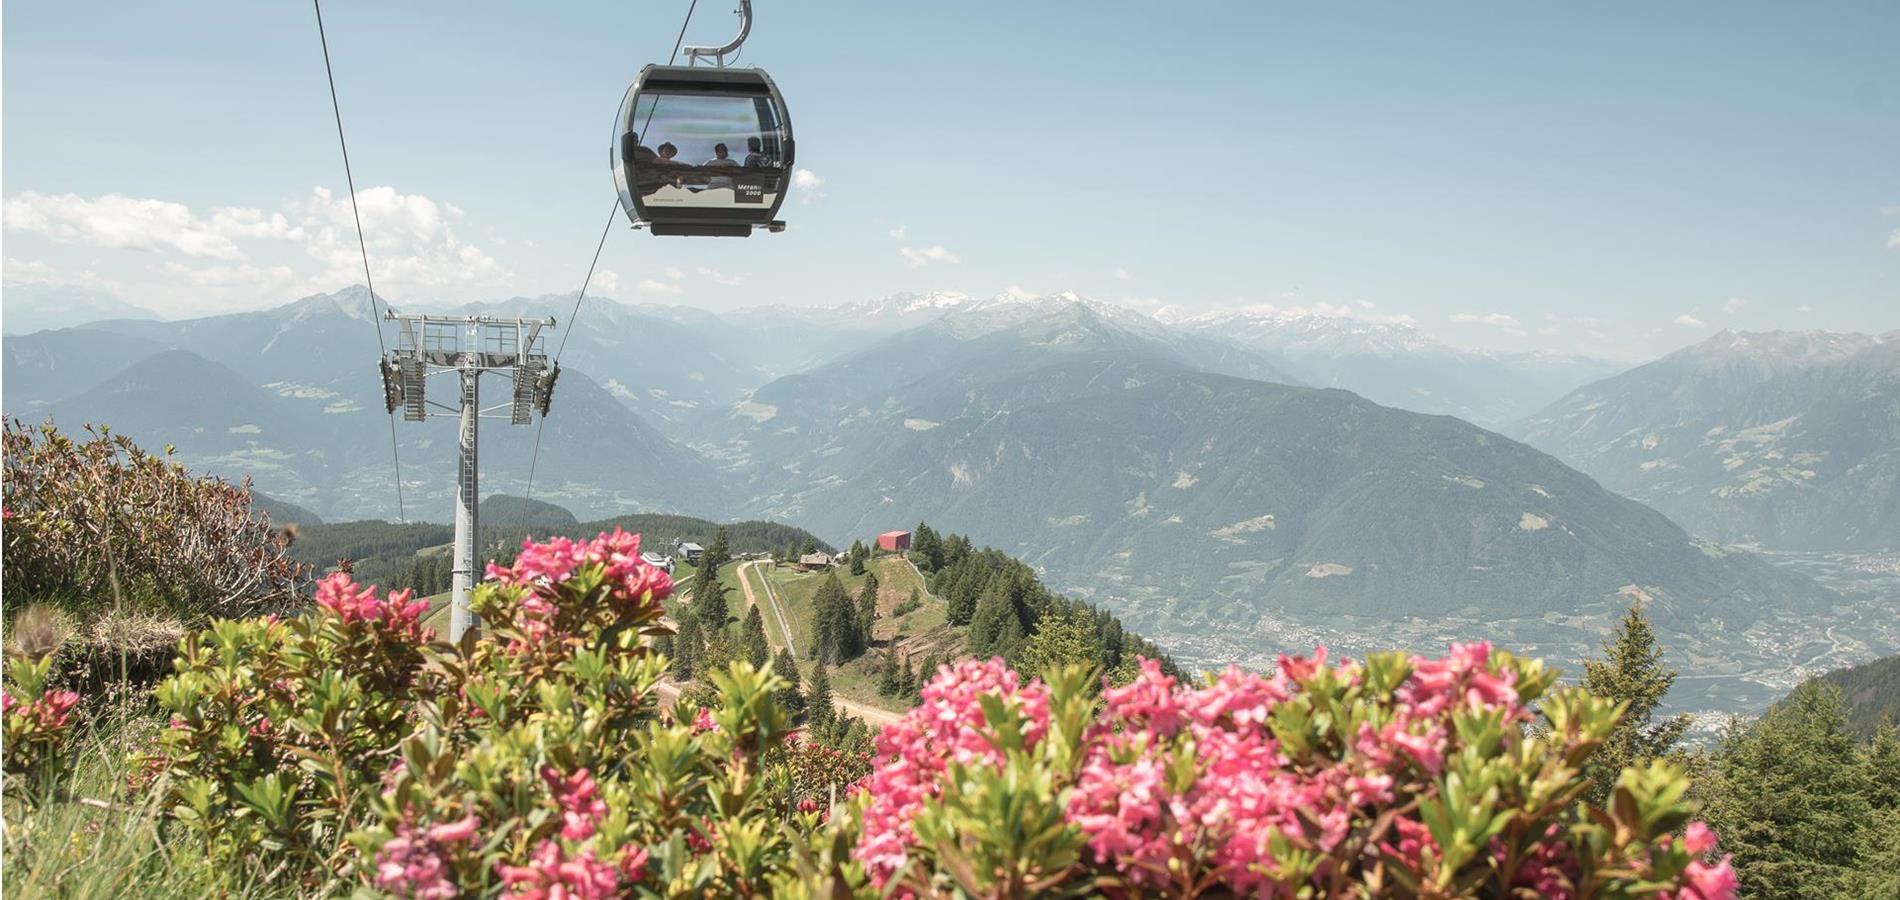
{"x": 1548, "y": 331}
{"x": 1018, "y": 292}
{"x": 1804, "y": 308}
{"x": 927, "y": 255}
{"x": 806, "y": 184}
{"x": 717, "y": 277}
{"x": 674, "y": 272}
{"x": 118, "y": 222}
{"x": 1119, "y": 274}
{"x": 650, "y": 286}
{"x": 240, "y": 275}
{"x": 1688, "y": 321}
{"x": 411, "y": 244}
{"x": 33, "y": 271}
{"x": 1504, "y": 321}
{"x": 1893, "y": 240}
{"x": 608, "y": 279}
{"x": 899, "y": 232}
{"x": 1733, "y": 305}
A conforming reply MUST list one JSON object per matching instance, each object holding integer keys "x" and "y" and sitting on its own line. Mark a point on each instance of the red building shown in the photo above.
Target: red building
{"x": 894, "y": 540}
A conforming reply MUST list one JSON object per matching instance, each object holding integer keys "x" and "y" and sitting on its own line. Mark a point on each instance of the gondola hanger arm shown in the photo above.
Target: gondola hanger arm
{"x": 718, "y": 54}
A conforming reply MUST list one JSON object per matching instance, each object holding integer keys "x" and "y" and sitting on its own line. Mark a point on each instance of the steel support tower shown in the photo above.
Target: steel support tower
{"x": 468, "y": 346}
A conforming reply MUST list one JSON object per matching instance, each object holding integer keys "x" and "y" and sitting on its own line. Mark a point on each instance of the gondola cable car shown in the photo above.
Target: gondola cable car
{"x": 704, "y": 151}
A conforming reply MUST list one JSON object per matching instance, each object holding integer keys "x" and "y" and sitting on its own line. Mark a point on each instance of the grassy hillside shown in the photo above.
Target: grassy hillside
{"x": 917, "y": 623}
{"x": 919, "y": 634}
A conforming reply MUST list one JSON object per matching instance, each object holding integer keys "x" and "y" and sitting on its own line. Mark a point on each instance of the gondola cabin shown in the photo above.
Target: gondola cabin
{"x": 703, "y": 151}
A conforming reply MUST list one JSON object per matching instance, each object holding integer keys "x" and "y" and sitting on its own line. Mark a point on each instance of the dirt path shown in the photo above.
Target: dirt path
{"x": 870, "y": 714}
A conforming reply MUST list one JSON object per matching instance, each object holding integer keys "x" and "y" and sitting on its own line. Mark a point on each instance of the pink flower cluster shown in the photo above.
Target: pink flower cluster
{"x": 579, "y": 799}
{"x": 1246, "y": 789}
{"x": 557, "y": 559}
{"x": 339, "y": 594}
{"x": 51, "y": 712}
{"x": 415, "y": 863}
{"x": 1248, "y": 792}
{"x": 555, "y": 874}
{"x": 542, "y": 567}
{"x": 1705, "y": 882}
{"x": 914, "y": 752}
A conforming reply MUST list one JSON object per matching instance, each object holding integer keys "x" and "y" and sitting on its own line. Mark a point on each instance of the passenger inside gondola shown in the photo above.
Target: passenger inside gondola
{"x": 754, "y": 157}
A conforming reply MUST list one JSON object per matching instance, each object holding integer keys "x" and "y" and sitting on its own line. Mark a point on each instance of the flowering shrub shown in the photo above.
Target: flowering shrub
{"x": 280, "y": 726}
{"x": 532, "y": 762}
{"x": 80, "y": 512}
{"x": 535, "y": 762}
{"x": 38, "y": 727}
{"x": 1398, "y": 776}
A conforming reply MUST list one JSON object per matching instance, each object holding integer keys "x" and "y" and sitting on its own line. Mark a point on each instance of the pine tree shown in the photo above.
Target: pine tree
{"x": 925, "y": 543}
{"x": 686, "y": 648}
{"x": 720, "y": 653}
{"x": 757, "y": 652}
{"x": 907, "y": 683}
{"x": 1790, "y": 798}
{"x": 889, "y": 682}
{"x": 1883, "y": 767}
{"x": 811, "y": 545}
{"x": 1060, "y": 640}
{"x": 709, "y": 596}
{"x": 663, "y": 646}
{"x": 792, "y": 697}
{"x": 994, "y": 618}
{"x": 867, "y": 609}
{"x": 835, "y": 630}
{"x": 820, "y": 714}
{"x": 956, "y": 548}
{"x": 1632, "y": 671}
{"x": 960, "y": 598}
{"x": 1879, "y": 851}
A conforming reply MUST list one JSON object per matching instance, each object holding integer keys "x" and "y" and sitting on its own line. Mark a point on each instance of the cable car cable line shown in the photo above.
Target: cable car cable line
{"x": 534, "y": 458}
{"x": 362, "y": 246}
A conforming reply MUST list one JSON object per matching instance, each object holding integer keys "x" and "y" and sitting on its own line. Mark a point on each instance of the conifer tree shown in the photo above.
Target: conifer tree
{"x": 889, "y": 681}
{"x": 720, "y": 652}
{"x": 995, "y": 617}
{"x": 960, "y": 598}
{"x": 686, "y": 649}
{"x": 709, "y": 596}
{"x": 820, "y": 714}
{"x": 811, "y": 545}
{"x": 1790, "y": 798}
{"x": 956, "y": 548}
{"x": 925, "y": 543}
{"x": 867, "y": 609}
{"x": 753, "y": 636}
{"x": 1059, "y": 640}
{"x": 835, "y": 631}
{"x": 1631, "y": 671}
{"x": 792, "y": 697}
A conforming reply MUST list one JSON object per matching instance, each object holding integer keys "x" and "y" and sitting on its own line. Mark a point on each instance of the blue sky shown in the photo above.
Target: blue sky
{"x": 1613, "y": 178}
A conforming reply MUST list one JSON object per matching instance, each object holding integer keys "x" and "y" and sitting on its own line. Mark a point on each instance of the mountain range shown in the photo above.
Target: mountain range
{"x": 1200, "y": 476}
{"x": 1790, "y": 440}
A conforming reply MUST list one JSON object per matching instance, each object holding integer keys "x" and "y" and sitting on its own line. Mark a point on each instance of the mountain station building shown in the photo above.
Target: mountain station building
{"x": 894, "y": 540}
